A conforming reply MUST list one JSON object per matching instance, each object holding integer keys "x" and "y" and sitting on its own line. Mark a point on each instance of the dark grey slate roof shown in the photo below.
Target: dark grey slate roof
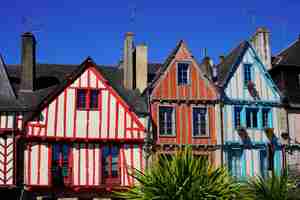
{"x": 164, "y": 66}
{"x": 226, "y": 66}
{"x": 51, "y": 79}
{"x": 289, "y": 56}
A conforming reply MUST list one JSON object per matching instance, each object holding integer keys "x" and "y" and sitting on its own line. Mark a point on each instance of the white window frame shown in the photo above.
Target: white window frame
{"x": 173, "y": 121}
{"x": 188, "y": 72}
{"x": 207, "y": 134}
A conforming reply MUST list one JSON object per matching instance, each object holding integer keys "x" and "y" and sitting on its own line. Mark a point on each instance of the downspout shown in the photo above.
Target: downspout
{"x": 148, "y": 140}
{"x": 222, "y": 133}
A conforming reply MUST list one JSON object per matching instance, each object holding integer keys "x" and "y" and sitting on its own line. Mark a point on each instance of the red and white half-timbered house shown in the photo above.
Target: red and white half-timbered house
{"x": 184, "y": 105}
{"x": 80, "y": 131}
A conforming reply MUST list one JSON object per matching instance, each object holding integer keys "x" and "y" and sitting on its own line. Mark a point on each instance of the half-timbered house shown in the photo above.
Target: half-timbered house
{"x": 184, "y": 106}
{"x": 252, "y": 113}
{"x": 79, "y": 130}
{"x": 285, "y": 72}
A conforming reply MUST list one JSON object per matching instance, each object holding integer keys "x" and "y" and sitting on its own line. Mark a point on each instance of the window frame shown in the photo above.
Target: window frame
{"x": 110, "y": 179}
{"x": 207, "y": 134}
{"x": 188, "y": 72}
{"x": 237, "y": 170}
{"x": 269, "y": 117}
{"x": 252, "y": 109}
{"x": 66, "y": 180}
{"x": 250, "y": 65}
{"x": 235, "y": 108}
{"x": 173, "y": 122}
{"x": 88, "y": 98}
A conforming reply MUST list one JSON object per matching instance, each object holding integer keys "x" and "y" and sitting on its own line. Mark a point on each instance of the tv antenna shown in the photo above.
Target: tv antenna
{"x": 30, "y": 25}
{"x": 252, "y": 15}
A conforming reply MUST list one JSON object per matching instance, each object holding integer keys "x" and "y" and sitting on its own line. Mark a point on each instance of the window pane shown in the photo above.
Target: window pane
{"x": 106, "y": 160}
{"x": 182, "y": 73}
{"x": 94, "y": 99}
{"x": 254, "y": 118}
{"x": 199, "y": 121}
{"x": 110, "y": 161}
{"x": 166, "y": 120}
{"x": 237, "y": 116}
{"x": 248, "y": 118}
{"x": 247, "y": 73}
{"x": 81, "y": 98}
{"x": 56, "y": 152}
{"x": 265, "y": 118}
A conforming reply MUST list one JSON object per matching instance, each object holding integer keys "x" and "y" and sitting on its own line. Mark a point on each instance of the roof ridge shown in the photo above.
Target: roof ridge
{"x": 286, "y": 48}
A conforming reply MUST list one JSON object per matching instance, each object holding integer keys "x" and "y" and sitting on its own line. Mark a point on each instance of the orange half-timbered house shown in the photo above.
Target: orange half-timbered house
{"x": 184, "y": 105}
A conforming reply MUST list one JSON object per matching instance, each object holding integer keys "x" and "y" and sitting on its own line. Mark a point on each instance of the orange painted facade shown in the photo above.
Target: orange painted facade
{"x": 199, "y": 92}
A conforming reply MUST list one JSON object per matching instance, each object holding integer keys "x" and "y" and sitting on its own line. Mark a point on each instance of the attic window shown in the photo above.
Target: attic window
{"x": 183, "y": 73}
{"x": 87, "y": 99}
{"x": 247, "y": 73}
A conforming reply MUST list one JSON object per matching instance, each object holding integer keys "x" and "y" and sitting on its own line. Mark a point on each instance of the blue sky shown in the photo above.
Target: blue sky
{"x": 72, "y": 30}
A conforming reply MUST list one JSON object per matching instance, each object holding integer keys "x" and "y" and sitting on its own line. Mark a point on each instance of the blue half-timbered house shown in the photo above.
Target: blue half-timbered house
{"x": 251, "y": 112}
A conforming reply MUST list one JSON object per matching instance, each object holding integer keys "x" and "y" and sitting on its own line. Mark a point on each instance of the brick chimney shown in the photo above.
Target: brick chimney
{"x": 128, "y": 71}
{"x": 261, "y": 43}
{"x": 141, "y": 67}
{"x": 28, "y": 63}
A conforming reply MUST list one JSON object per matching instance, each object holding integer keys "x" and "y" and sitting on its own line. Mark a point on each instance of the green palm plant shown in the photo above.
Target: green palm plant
{"x": 275, "y": 187}
{"x": 182, "y": 177}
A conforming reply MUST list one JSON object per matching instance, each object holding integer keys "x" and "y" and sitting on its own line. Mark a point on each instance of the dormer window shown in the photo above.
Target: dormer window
{"x": 183, "y": 73}
{"x": 247, "y": 73}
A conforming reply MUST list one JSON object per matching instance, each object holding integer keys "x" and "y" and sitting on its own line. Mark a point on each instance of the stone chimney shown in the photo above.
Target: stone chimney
{"x": 28, "y": 63}
{"x": 261, "y": 43}
{"x": 128, "y": 71}
{"x": 141, "y": 67}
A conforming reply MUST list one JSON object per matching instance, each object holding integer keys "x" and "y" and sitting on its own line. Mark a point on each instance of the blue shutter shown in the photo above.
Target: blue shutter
{"x": 270, "y": 118}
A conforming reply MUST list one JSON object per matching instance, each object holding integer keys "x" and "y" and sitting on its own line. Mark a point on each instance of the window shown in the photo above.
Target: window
{"x": 60, "y": 164}
{"x": 87, "y": 99}
{"x": 237, "y": 117}
{"x": 182, "y": 73}
{"x": 263, "y": 163}
{"x": 234, "y": 162}
{"x": 251, "y": 118}
{"x": 81, "y": 99}
{"x": 247, "y": 73}
{"x": 199, "y": 122}
{"x": 94, "y": 99}
{"x": 110, "y": 163}
{"x": 166, "y": 120}
{"x": 266, "y": 118}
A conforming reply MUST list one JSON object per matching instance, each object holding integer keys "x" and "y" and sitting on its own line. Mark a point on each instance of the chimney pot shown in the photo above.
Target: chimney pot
{"x": 221, "y": 58}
